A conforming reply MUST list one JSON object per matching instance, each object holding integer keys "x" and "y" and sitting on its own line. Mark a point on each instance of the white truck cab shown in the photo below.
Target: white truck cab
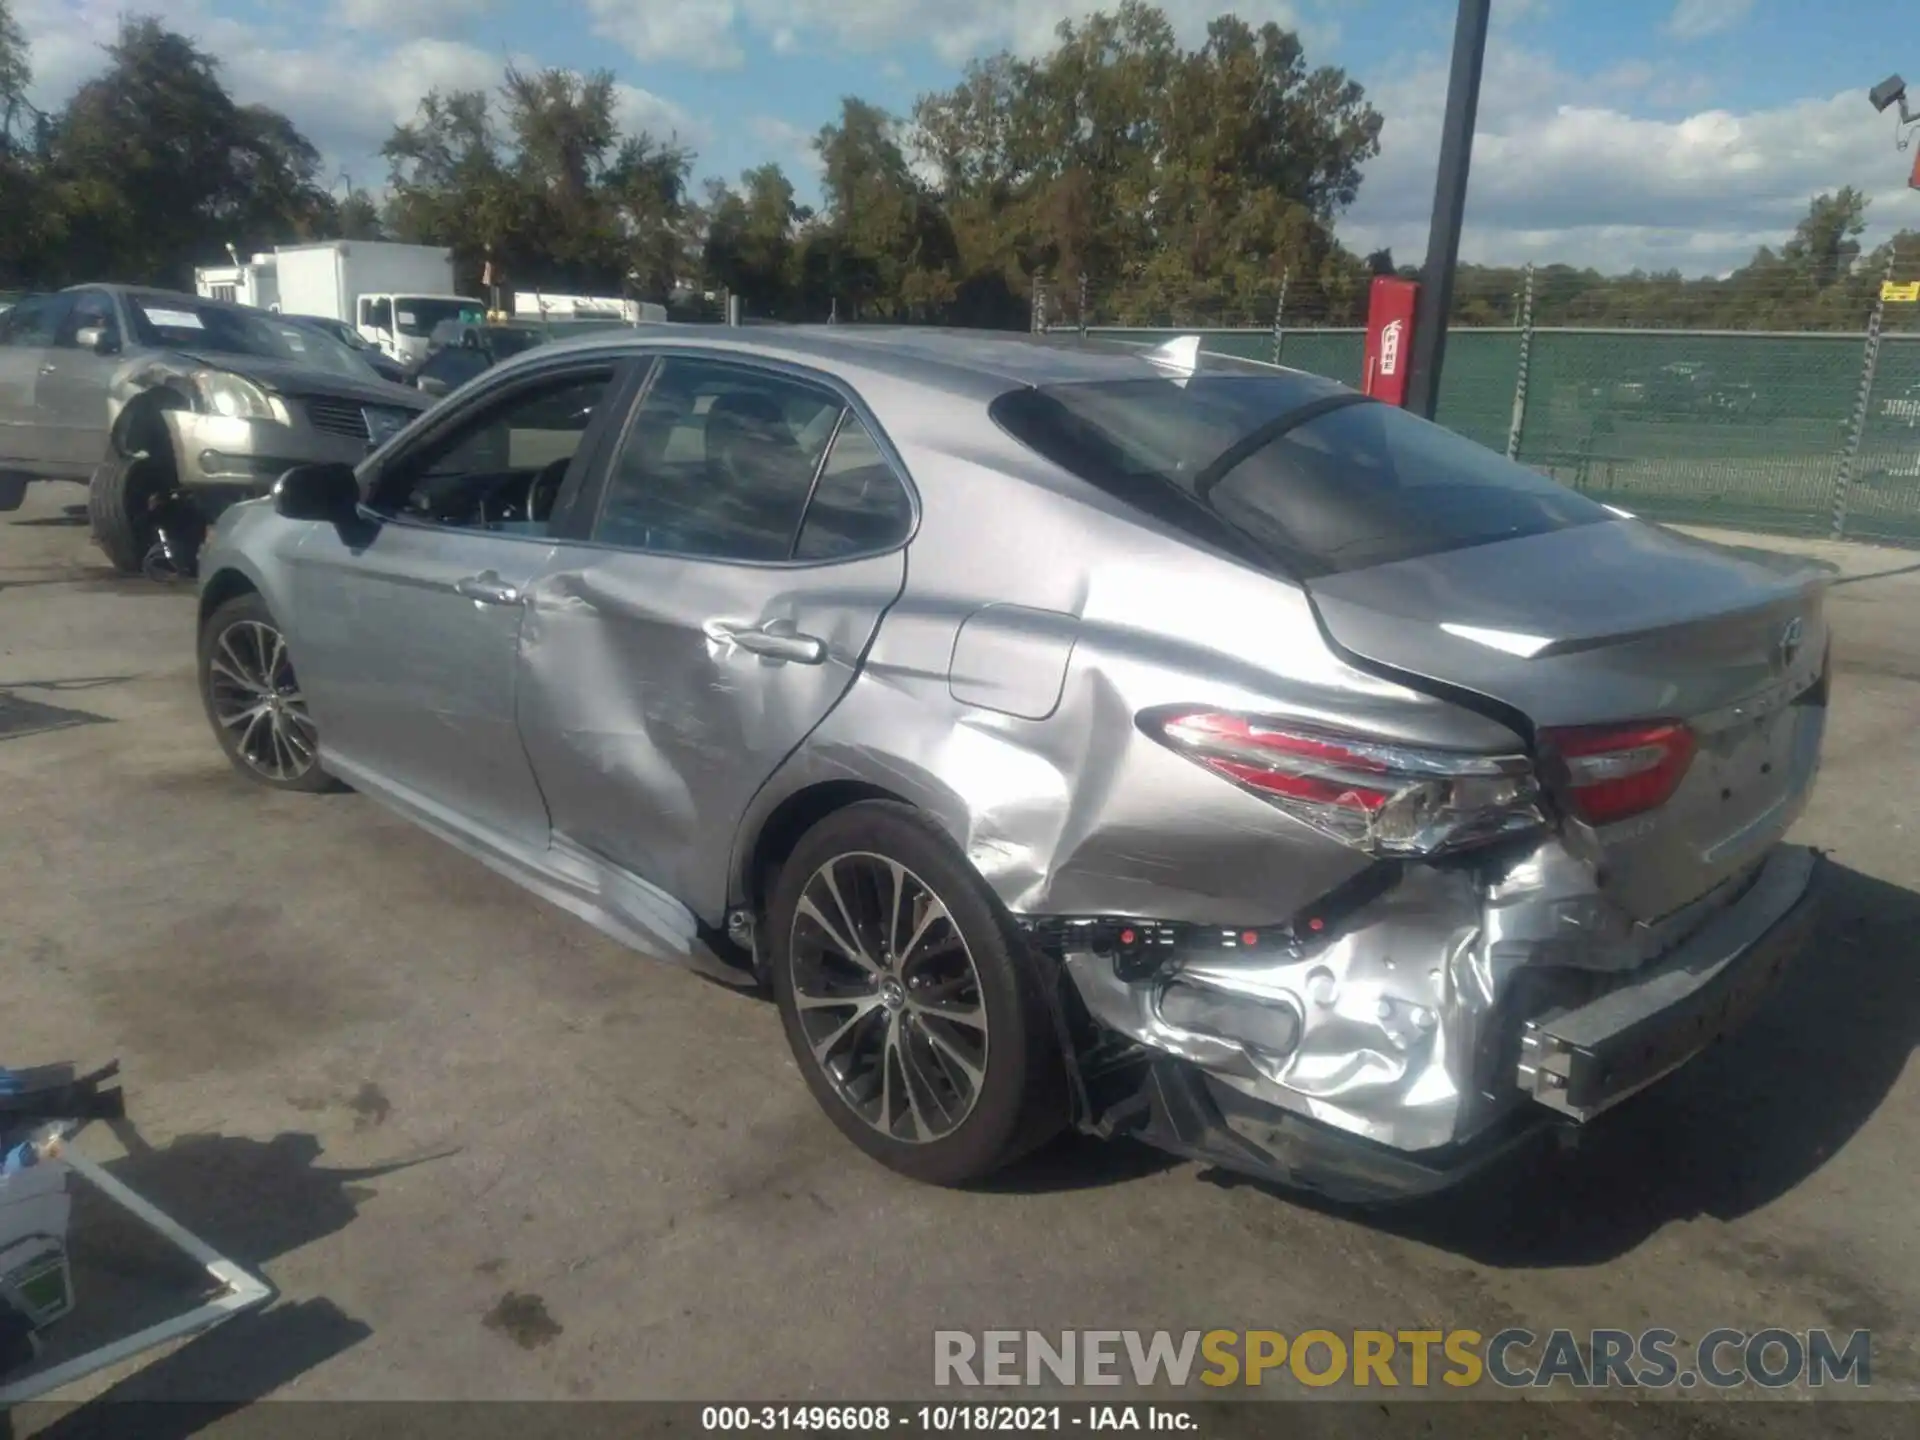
{"x": 401, "y": 324}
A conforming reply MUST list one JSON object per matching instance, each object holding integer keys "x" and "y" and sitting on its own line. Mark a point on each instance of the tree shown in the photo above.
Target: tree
{"x": 647, "y": 184}
{"x": 357, "y": 218}
{"x": 23, "y": 206}
{"x": 1827, "y": 241}
{"x": 751, "y": 240}
{"x": 884, "y": 249}
{"x": 546, "y": 185}
{"x": 16, "y": 75}
{"x": 1171, "y": 179}
{"x": 448, "y": 183}
{"x": 152, "y": 168}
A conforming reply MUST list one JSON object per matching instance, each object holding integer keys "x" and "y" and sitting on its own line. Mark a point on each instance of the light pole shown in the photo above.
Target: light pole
{"x": 1449, "y": 207}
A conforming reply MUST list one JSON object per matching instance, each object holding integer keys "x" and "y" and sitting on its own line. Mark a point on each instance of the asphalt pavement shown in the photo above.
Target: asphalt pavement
{"x": 484, "y": 1153}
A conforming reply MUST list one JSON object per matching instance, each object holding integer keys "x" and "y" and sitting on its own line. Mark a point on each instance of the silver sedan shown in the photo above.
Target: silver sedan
{"x": 1066, "y": 734}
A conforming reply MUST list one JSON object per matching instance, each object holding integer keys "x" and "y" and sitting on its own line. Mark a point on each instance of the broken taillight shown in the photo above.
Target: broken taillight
{"x": 1615, "y": 772}
{"x": 1376, "y": 795}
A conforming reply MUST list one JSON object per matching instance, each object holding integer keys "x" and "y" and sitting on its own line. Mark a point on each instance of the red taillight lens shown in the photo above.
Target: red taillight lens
{"x": 1615, "y": 772}
{"x": 1376, "y": 795}
{"x": 1281, "y": 762}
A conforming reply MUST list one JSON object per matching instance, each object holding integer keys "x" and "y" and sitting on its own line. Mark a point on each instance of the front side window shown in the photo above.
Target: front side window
{"x": 91, "y": 311}
{"x": 718, "y": 463}
{"x": 417, "y": 315}
{"x": 502, "y": 468}
{"x": 34, "y": 323}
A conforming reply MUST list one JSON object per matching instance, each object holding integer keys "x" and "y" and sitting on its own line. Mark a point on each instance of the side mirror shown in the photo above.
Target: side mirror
{"x": 328, "y": 492}
{"x": 98, "y": 339}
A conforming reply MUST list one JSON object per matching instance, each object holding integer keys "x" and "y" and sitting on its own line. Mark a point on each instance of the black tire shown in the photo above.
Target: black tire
{"x": 121, "y": 499}
{"x": 231, "y": 651}
{"x": 1019, "y": 1102}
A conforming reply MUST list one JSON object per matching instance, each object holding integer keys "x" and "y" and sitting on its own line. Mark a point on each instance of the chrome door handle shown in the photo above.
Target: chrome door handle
{"x": 488, "y": 589}
{"x": 776, "y": 640}
{"x": 49, "y": 369}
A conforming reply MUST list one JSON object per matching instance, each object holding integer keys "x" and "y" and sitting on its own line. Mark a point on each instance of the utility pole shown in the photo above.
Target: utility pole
{"x": 1449, "y": 207}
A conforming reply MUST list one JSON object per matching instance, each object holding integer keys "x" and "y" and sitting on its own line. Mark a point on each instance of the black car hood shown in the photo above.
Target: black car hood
{"x": 290, "y": 378}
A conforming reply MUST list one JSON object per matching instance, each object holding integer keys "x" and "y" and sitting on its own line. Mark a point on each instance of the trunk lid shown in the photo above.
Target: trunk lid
{"x": 1620, "y": 622}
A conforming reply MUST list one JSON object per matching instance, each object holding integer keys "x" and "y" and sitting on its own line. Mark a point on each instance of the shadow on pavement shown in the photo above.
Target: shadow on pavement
{"x": 1737, "y": 1128}
{"x": 252, "y": 1201}
{"x": 1079, "y": 1162}
{"x": 209, "y": 1378}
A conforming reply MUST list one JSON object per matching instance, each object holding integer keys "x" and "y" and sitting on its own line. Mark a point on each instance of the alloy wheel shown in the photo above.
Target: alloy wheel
{"x": 888, "y": 996}
{"x": 257, "y": 700}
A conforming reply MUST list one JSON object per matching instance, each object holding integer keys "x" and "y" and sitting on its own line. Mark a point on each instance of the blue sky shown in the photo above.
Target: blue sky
{"x": 1614, "y": 132}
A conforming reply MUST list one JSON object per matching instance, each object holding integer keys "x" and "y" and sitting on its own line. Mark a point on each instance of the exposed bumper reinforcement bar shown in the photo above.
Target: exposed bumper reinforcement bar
{"x": 1176, "y": 1106}
{"x": 1586, "y": 1059}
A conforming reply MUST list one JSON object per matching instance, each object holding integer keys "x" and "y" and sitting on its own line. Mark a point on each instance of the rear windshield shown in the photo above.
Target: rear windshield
{"x": 1312, "y": 483}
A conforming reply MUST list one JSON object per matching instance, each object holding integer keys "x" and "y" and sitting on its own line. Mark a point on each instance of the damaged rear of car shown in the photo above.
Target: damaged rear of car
{"x": 1065, "y": 733}
{"x": 1379, "y": 802}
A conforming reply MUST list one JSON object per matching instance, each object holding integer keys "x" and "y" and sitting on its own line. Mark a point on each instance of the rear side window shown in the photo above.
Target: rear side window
{"x": 1311, "y": 484}
{"x": 858, "y": 505}
{"x": 718, "y": 463}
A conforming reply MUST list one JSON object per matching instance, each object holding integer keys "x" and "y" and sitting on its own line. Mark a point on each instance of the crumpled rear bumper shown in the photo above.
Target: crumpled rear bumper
{"x": 1585, "y": 1059}
{"x": 1554, "y": 1054}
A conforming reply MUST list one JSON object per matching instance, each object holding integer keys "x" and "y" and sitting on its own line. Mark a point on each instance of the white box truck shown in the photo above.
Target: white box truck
{"x": 392, "y": 294}
{"x": 245, "y": 282}
{"x": 535, "y": 304}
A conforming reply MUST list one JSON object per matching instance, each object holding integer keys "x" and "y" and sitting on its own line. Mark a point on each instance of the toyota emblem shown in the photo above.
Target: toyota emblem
{"x": 1790, "y": 643}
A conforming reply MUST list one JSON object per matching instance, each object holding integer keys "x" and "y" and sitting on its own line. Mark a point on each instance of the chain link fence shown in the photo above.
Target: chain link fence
{"x": 1809, "y": 432}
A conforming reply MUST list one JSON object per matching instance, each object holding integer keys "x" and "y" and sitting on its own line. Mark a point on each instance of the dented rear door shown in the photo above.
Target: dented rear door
{"x": 747, "y": 541}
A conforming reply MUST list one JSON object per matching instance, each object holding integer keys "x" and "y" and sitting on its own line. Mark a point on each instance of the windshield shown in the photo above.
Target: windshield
{"x": 416, "y": 315}
{"x": 318, "y": 347}
{"x": 181, "y": 323}
{"x": 338, "y": 329}
{"x": 1312, "y": 477}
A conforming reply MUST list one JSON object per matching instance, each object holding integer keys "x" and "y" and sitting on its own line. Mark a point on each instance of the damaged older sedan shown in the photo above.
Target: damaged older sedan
{"x": 1066, "y": 734}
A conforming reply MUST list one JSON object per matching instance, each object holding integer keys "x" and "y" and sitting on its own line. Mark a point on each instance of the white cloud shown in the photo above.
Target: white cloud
{"x": 1563, "y": 169}
{"x": 1695, "y": 19}
{"x": 1627, "y": 75}
{"x": 708, "y": 33}
{"x": 387, "y": 87}
{"x": 345, "y": 95}
{"x": 344, "y": 98}
{"x": 694, "y": 32}
{"x": 792, "y": 145}
{"x": 641, "y": 111}
{"x": 437, "y": 18}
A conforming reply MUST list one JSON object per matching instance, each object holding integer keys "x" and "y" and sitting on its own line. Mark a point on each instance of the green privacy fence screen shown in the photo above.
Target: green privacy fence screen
{"x": 1746, "y": 429}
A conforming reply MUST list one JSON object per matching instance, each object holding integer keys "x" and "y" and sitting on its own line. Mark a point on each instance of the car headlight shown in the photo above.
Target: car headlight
{"x": 225, "y": 393}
